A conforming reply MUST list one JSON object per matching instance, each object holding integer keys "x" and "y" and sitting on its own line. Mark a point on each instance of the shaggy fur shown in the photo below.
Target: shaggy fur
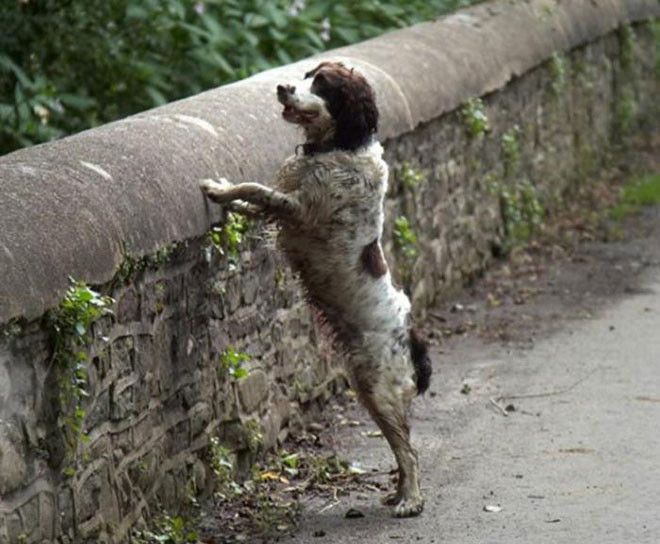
{"x": 328, "y": 203}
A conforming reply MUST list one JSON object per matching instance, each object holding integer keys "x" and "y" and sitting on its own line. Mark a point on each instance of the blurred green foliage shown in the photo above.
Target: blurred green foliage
{"x": 67, "y": 65}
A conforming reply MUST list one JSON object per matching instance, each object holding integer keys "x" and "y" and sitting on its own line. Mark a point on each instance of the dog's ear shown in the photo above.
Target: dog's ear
{"x": 325, "y": 64}
{"x": 357, "y": 118}
{"x": 350, "y": 100}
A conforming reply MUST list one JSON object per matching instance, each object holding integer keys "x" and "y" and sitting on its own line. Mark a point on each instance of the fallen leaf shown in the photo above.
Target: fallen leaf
{"x": 355, "y": 469}
{"x": 492, "y": 301}
{"x": 270, "y": 475}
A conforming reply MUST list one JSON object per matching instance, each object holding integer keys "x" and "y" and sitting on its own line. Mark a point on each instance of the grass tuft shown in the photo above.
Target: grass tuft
{"x": 644, "y": 191}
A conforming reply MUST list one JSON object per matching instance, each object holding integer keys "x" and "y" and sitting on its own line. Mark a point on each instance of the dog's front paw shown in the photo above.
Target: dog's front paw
{"x": 215, "y": 190}
{"x": 409, "y": 507}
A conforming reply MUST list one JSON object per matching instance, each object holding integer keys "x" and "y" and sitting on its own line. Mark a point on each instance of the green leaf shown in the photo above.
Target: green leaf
{"x": 10, "y": 66}
{"x": 240, "y": 373}
{"x": 253, "y": 20}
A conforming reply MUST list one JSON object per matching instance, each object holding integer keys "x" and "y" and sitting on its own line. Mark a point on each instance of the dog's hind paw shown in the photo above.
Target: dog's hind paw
{"x": 409, "y": 508}
{"x": 392, "y": 499}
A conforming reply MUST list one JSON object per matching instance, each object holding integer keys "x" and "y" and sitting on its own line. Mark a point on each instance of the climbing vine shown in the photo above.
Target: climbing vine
{"x": 69, "y": 330}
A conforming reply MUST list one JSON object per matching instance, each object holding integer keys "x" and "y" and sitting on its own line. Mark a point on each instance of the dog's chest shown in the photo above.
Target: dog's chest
{"x": 338, "y": 188}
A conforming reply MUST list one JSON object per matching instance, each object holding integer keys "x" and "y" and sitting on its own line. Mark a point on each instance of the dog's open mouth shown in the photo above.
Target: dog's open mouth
{"x": 292, "y": 112}
{"x": 295, "y": 115}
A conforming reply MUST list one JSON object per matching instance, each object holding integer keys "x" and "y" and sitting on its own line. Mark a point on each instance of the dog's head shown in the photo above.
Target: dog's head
{"x": 338, "y": 110}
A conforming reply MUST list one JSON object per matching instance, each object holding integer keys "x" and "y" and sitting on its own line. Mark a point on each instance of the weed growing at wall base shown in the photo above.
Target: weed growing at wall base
{"x": 627, "y": 46}
{"x": 405, "y": 242}
{"x": 410, "y": 177}
{"x": 405, "y": 238}
{"x": 521, "y": 210}
{"x": 511, "y": 150}
{"x": 223, "y": 468}
{"x": 644, "y": 191}
{"x": 168, "y": 530}
{"x": 626, "y": 114}
{"x": 69, "y": 330}
{"x": 557, "y": 67}
{"x": 475, "y": 118}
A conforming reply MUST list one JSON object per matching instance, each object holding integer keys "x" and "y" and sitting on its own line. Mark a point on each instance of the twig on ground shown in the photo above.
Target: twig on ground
{"x": 501, "y": 410}
{"x": 551, "y": 393}
{"x": 334, "y": 501}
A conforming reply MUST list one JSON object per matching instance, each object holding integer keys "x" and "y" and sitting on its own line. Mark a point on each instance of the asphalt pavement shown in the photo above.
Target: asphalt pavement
{"x": 553, "y": 440}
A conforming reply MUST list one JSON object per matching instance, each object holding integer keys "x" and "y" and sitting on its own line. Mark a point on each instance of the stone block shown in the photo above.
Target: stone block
{"x": 47, "y": 515}
{"x": 128, "y": 306}
{"x": 15, "y": 528}
{"x": 253, "y": 390}
{"x": 178, "y": 438}
{"x": 95, "y": 498}
{"x": 143, "y": 430}
{"x": 144, "y": 472}
{"x": 122, "y": 353}
{"x": 121, "y": 402}
{"x": 101, "y": 447}
{"x": 232, "y": 435}
{"x": 13, "y": 468}
{"x": 65, "y": 510}
{"x": 29, "y": 513}
{"x": 251, "y": 285}
{"x": 87, "y": 498}
{"x": 99, "y": 411}
{"x": 167, "y": 489}
{"x": 233, "y": 293}
{"x": 200, "y": 416}
{"x": 122, "y": 443}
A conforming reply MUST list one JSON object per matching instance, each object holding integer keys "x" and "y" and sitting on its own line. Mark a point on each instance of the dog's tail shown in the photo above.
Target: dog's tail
{"x": 419, "y": 351}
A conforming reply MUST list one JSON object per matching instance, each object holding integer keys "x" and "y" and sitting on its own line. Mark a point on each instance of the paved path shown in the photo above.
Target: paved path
{"x": 577, "y": 463}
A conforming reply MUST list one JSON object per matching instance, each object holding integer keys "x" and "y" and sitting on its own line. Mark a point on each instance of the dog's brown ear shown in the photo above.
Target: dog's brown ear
{"x": 325, "y": 64}
{"x": 351, "y": 102}
{"x": 357, "y": 119}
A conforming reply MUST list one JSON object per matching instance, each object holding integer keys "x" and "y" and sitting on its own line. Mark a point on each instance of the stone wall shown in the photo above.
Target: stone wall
{"x": 158, "y": 389}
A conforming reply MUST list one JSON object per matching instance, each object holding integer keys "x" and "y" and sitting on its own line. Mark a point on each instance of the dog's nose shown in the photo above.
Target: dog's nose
{"x": 283, "y": 90}
{"x": 284, "y": 93}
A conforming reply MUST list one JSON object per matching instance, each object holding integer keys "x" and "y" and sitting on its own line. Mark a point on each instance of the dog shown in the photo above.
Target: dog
{"x": 328, "y": 204}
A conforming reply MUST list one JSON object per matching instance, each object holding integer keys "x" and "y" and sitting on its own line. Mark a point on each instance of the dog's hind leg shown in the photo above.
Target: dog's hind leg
{"x": 388, "y": 406}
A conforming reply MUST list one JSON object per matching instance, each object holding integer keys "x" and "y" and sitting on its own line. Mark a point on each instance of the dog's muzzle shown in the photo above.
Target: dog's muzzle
{"x": 284, "y": 94}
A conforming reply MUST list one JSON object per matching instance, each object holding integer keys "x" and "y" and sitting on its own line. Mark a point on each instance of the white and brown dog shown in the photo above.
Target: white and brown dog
{"x": 328, "y": 203}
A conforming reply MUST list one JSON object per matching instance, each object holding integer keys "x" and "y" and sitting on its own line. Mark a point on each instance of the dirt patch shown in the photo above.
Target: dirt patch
{"x": 306, "y": 468}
